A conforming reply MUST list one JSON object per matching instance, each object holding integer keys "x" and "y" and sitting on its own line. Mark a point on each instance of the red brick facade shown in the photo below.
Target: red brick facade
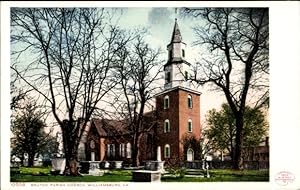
{"x": 178, "y": 115}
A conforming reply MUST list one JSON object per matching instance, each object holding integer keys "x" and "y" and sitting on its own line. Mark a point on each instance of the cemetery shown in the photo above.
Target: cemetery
{"x": 152, "y": 171}
{"x": 43, "y": 174}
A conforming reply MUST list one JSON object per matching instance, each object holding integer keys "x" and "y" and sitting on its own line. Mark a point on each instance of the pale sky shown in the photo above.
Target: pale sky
{"x": 160, "y": 22}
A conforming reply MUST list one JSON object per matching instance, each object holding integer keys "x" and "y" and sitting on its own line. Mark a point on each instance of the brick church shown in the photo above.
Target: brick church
{"x": 177, "y": 113}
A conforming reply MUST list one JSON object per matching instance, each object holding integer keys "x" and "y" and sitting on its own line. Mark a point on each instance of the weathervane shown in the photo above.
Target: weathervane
{"x": 176, "y": 14}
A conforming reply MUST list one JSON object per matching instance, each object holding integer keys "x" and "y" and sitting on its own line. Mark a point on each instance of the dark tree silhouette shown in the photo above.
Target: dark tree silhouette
{"x": 28, "y": 132}
{"x": 64, "y": 55}
{"x": 137, "y": 71}
{"x": 235, "y": 55}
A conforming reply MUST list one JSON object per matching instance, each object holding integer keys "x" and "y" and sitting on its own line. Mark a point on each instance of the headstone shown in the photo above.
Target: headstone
{"x": 156, "y": 165}
{"x": 118, "y": 164}
{"x": 91, "y": 168}
{"x": 95, "y": 169}
{"x": 106, "y": 165}
{"x": 146, "y": 176}
{"x": 58, "y": 164}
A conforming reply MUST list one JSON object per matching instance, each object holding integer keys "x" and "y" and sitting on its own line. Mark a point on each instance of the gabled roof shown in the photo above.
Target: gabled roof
{"x": 108, "y": 128}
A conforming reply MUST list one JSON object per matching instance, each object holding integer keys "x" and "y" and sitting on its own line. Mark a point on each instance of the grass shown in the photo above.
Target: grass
{"x": 105, "y": 178}
{"x": 42, "y": 174}
{"x": 226, "y": 175}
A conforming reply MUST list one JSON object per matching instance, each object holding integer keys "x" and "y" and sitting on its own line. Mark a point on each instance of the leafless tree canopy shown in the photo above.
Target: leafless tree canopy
{"x": 235, "y": 57}
{"x": 237, "y": 44}
{"x": 65, "y": 56}
{"x": 137, "y": 71}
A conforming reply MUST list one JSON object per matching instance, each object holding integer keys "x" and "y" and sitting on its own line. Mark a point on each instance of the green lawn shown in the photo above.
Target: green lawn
{"x": 38, "y": 174}
{"x": 226, "y": 175}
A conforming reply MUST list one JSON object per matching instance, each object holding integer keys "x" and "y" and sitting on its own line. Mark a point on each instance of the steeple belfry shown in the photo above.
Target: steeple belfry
{"x": 176, "y": 69}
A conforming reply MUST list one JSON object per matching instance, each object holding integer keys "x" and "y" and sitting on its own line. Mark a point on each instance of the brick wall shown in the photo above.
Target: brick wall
{"x": 171, "y": 113}
{"x": 178, "y": 114}
{"x": 186, "y": 113}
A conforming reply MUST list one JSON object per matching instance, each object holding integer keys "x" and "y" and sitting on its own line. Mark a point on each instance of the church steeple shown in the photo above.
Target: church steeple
{"x": 176, "y": 47}
{"x": 176, "y": 36}
{"x": 176, "y": 69}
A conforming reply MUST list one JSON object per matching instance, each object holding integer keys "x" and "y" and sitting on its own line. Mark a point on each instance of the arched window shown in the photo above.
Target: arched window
{"x": 183, "y": 53}
{"x": 190, "y": 125}
{"x": 167, "y": 126}
{"x": 128, "y": 150}
{"x": 122, "y": 150}
{"x": 190, "y": 101}
{"x": 166, "y": 102}
{"x": 111, "y": 151}
{"x": 190, "y": 155}
{"x": 167, "y": 151}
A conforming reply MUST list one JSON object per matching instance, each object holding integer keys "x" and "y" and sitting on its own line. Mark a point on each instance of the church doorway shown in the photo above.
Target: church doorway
{"x": 92, "y": 150}
{"x": 190, "y": 155}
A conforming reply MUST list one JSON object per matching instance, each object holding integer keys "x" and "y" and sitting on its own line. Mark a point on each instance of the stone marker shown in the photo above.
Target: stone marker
{"x": 58, "y": 164}
{"x": 146, "y": 176}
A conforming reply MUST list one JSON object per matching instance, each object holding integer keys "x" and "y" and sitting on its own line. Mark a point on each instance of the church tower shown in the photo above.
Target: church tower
{"x": 178, "y": 105}
{"x": 177, "y": 69}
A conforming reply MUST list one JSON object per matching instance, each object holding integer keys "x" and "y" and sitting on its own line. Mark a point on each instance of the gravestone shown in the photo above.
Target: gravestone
{"x": 118, "y": 164}
{"x": 58, "y": 165}
{"x": 91, "y": 168}
{"x": 152, "y": 172}
{"x": 146, "y": 176}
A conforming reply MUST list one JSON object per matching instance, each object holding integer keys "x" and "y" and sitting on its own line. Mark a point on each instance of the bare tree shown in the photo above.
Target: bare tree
{"x": 235, "y": 60}
{"x": 65, "y": 55}
{"x": 137, "y": 71}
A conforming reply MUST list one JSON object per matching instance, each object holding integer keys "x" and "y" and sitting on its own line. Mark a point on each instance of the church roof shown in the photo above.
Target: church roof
{"x": 176, "y": 36}
{"x": 109, "y": 127}
{"x": 106, "y": 127}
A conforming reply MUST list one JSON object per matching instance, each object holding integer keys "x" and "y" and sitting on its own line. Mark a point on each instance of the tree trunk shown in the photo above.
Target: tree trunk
{"x": 238, "y": 159}
{"x": 22, "y": 159}
{"x": 30, "y": 160}
{"x": 72, "y": 168}
{"x": 135, "y": 150}
{"x": 70, "y": 150}
{"x": 71, "y": 164}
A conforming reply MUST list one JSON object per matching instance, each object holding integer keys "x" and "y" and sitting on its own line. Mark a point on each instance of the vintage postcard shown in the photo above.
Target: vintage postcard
{"x": 112, "y": 95}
